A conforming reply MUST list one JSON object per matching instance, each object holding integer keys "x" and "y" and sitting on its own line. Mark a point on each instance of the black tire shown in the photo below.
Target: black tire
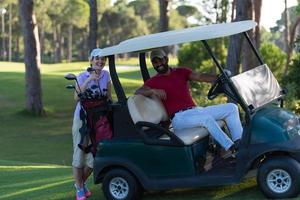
{"x": 116, "y": 182}
{"x": 283, "y": 175}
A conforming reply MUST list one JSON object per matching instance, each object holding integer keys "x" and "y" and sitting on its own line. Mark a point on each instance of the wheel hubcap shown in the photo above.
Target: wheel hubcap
{"x": 279, "y": 180}
{"x": 119, "y": 188}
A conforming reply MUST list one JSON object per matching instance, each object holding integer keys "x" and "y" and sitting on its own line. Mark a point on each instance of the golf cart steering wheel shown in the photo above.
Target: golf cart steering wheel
{"x": 216, "y": 88}
{"x": 218, "y": 85}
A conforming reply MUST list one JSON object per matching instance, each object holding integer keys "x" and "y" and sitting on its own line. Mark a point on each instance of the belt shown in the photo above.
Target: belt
{"x": 172, "y": 116}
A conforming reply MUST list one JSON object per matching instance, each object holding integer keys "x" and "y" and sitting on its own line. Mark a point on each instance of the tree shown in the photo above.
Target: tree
{"x": 75, "y": 15}
{"x": 148, "y": 12}
{"x": 163, "y": 15}
{"x": 34, "y": 102}
{"x": 125, "y": 24}
{"x": 287, "y": 26}
{"x": 56, "y": 14}
{"x": 290, "y": 35}
{"x": 45, "y": 23}
{"x": 274, "y": 57}
{"x": 93, "y": 25}
{"x": 164, "y": 18}
{"x": 257, "y": 15}
{"x": 236, "y": 41}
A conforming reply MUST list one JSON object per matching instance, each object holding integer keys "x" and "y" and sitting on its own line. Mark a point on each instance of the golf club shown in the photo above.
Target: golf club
{"x": 70, "y": 76}
{"x": 72, "y": 87}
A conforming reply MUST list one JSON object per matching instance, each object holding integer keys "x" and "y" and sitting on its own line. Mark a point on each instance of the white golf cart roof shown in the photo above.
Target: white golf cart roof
{"x": 168, "y": 38}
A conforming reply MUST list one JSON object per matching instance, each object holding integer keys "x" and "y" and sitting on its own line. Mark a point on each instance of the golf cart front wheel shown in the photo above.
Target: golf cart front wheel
{"x": 119, "y": 184}
{"x": 279, "y": 178}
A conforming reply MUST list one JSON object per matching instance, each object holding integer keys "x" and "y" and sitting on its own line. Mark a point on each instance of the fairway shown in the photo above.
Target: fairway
{"x": 35, "y": 154}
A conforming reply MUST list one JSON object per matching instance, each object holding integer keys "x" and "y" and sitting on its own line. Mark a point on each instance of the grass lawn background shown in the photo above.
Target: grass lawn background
{"x": 36, "y": 152}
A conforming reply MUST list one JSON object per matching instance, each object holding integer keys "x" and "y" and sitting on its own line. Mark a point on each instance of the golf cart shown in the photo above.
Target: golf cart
{"x": 144, "y": 154}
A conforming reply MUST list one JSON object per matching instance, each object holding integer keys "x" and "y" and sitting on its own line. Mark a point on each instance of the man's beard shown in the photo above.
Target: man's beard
{"x": 162, "y": 69}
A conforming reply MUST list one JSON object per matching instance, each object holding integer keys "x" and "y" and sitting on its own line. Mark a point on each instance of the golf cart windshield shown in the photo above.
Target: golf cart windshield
{"x": 257, "y": 86}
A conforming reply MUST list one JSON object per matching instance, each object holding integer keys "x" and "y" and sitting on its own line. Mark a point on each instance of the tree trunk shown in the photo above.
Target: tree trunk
{"x": 10, "y": 33}
{"x": 287, "y": 39}
{"x": 93, "y": 25}
{"x": 287, "y": 26}
{"x": 70, "y": 30}
{"x": 42, "y": 40}
{"x": 248, "y": 58}
{"x": 236, "y": 41}
{"x": 17, "y": 53}
{"x": 34, "y": 102}
{"x": 233, "y": 8}
{"x": 3, "y": 34}
{"x": 257, "y": 14}
{"x": 61, "y": 47}
{"x": 57, "y": 43}
{"x": 164, "y": 18}
{"x": 291, "y": 44}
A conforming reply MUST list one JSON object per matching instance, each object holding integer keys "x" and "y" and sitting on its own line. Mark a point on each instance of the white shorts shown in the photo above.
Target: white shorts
{"x": 80, "y": 159}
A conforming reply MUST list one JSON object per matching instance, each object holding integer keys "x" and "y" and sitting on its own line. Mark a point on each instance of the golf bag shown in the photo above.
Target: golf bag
{"x": 96, "y": 125}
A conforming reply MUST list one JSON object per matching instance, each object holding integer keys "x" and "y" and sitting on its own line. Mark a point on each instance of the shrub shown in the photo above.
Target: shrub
{"x": 274, "y": 57}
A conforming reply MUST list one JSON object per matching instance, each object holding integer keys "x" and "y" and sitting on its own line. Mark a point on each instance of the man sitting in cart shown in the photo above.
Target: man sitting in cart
{"x": 171, "y": 86}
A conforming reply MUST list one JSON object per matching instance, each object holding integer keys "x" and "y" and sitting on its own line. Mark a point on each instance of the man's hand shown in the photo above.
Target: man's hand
{"x": 227, "y": 72}
{"x": 147, "y": 91}
{"x": 161, "y": 94}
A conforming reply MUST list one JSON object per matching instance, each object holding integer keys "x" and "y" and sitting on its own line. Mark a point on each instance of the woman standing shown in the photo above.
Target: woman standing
{"x": 83, "y": 162}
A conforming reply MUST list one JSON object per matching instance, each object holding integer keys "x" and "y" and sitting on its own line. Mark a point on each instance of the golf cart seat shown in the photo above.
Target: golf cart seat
{"x": 151, "y": 110}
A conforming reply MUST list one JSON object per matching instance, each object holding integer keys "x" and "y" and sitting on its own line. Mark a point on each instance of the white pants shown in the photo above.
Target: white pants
{"x": 207, "y": 116}
{"x": 80, "y": 159}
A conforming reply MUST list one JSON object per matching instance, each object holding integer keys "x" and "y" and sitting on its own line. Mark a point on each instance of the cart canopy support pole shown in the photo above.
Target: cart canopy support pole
{"x": 254, "y": 49}
{"x": 115, "y": 79}
{"x": 143, "y": 66}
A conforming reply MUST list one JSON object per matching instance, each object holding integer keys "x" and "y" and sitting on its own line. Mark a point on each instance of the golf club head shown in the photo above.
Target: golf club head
{"x": 93, "y": 87}
{"x": 90, "y": 69}
{"x": 70, "y": 87}
{"x": 70, "y": 76}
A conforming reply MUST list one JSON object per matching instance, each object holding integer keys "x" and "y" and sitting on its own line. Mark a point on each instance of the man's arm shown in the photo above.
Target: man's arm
{"x": 147, "y": 91}
{"x": 196, "y": 76}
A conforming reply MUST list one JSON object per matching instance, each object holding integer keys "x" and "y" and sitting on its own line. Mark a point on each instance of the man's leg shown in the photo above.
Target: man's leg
{"x": 197, "y": 117}
{"x": 228, "y": 112}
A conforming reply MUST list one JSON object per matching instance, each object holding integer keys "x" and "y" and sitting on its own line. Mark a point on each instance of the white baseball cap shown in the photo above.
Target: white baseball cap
{"x": 96, "y": 52}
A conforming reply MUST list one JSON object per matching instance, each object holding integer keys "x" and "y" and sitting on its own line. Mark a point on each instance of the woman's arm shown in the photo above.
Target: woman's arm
{"x": 84, "y": 85}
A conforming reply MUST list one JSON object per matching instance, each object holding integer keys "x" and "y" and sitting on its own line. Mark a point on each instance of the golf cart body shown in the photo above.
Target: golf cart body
{"x": 145, "y": 154}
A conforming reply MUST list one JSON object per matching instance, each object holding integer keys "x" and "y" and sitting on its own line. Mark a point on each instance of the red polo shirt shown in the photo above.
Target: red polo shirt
{"x": 176, "y": 86}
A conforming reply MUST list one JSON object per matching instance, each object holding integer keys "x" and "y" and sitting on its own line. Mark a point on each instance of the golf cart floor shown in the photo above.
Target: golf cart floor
{"x": 220, "y": 165}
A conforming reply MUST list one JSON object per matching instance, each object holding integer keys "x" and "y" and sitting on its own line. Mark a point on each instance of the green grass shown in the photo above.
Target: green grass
{"x": 35, "y": 155}
{"x": 34, "y": 181}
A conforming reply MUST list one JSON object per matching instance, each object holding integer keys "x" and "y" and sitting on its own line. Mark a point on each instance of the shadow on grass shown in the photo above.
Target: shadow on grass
{"x": 245, "y": 190}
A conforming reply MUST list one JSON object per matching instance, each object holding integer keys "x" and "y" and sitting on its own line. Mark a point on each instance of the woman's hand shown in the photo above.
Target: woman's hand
{"x": 93, "y": 76}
